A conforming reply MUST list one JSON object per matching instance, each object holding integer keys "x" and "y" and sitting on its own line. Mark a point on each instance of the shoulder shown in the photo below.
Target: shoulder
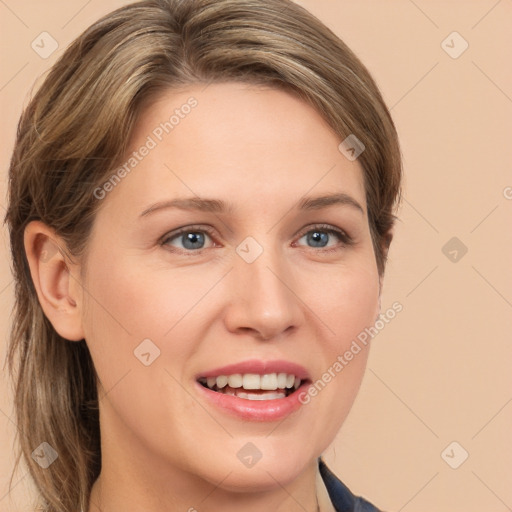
{"x": 342, "y": 498}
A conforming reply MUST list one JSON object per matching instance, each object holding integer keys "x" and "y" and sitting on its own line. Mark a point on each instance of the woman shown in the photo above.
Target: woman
{"x": 201, "y": 203}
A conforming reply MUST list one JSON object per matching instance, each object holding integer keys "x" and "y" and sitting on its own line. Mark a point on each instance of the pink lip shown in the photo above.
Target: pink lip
{"x": 259, "y": 367}
{"x": 256, "y": 410}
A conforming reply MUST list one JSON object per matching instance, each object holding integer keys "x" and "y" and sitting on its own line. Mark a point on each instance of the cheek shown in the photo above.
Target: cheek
{"x": 128, "y": 302}
{"x": 346, "y": 300}
{"x": 123, "y": 308}
{"x": 347, "y": 306}
{"x": 126, "y": 305}
{"x": 139, "y": 302}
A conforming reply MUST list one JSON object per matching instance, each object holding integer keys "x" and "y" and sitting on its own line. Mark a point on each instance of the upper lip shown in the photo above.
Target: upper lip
{"x": 258, "y": 367}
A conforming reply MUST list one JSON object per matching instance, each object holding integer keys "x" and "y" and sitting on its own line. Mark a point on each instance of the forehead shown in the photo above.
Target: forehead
{"x": 237, "y": 142}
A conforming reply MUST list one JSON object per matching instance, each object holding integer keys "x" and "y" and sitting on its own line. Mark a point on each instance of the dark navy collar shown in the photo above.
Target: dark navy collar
{"x": 341, "y": 497}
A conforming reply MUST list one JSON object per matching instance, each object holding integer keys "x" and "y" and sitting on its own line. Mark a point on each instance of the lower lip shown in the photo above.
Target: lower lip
{"x": 255, "y": 410}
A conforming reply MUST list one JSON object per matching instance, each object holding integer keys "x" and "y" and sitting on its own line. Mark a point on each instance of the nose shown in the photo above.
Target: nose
{"x": 264, "y": 297}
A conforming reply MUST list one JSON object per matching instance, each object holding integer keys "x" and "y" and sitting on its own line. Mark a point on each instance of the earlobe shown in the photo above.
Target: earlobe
{"x": 379, "y": 304}
{"x": 53, "y": 277}
{"x": 386, "y": 242}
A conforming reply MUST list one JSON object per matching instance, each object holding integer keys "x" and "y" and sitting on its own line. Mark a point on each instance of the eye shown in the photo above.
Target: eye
{"x": 320, "y": 236}
{"x": 189, "y": 238}
{"x": 193, "y": 238}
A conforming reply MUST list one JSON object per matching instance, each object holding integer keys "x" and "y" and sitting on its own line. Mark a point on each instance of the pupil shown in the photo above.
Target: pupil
{"x": 319, "y": 237}
{"x": 193, "y": 238}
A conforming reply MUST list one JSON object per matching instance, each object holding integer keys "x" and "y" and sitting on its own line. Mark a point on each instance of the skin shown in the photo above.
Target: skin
{"x": 163, "y": 447}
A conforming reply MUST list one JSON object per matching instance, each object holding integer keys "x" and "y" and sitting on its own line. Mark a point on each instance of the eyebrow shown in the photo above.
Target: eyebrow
{"x": 218, "y": 206}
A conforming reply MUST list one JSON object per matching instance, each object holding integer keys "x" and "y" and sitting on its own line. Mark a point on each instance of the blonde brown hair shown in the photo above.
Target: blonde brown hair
{"x": 75, "y": 131}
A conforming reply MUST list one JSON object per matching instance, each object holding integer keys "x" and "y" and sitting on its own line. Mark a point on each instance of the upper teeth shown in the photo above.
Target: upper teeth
{"x": 268, "y": 381}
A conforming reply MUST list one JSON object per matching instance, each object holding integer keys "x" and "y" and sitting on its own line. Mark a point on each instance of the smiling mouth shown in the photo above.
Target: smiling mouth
{"x": 252, "y": 386}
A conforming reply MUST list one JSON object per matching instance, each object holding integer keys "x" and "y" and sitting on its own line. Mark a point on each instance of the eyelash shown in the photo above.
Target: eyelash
{"x": 346, "y": 240}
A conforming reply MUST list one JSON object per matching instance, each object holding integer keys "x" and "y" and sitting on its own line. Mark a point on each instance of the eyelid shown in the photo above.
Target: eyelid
{"x": 186, "y": 229}
{"x": 345, "y": 238}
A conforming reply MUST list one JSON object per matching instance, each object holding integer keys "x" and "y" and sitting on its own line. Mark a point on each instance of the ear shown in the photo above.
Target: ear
{"x": 55, "y": 279}
{"x": 386, "y": 242}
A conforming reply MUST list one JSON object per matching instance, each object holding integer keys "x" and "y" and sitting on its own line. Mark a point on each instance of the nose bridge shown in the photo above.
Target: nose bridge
{"x": 262, "y": 275}
{"x": 264, "y": 301}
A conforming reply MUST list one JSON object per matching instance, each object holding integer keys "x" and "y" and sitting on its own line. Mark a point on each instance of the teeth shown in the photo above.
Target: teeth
{"x": 281, "y": 380}
{"x": 269, "y": 381}
{"x": 222, "y": 381}
{"x": 250, "y": 381}
{"x": 255, "y": 396}
{"x": 235, "y": 381}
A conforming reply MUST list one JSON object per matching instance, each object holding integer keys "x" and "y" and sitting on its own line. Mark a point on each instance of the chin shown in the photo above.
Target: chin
{"x": 269, "y": 467}
{"x": 258, "y": 479}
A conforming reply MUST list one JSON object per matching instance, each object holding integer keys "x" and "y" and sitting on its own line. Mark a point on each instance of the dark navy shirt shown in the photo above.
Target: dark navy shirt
{"x": 342, "y": 498}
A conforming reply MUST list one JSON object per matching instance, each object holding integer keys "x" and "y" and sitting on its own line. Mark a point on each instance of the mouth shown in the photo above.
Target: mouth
{"x": 254, "y": 390}
{"x": 254, "y": 386}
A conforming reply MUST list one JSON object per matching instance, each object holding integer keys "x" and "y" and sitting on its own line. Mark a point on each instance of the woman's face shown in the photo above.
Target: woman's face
{"x": 257, "y": 279}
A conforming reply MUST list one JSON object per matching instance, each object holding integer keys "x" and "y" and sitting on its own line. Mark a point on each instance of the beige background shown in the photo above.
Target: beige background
{"x": 440, "y": 371}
